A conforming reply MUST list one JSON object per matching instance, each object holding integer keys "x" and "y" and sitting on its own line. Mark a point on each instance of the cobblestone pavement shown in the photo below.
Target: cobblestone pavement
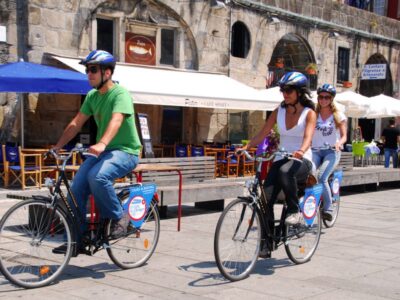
{"x": 357, "y": 259}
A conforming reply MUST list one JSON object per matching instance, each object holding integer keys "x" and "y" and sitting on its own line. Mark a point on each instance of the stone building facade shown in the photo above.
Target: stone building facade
{"x": 243, "y": 39}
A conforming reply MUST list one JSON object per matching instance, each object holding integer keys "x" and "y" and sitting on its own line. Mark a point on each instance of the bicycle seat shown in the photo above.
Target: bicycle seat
{"x": 311, "y": 180}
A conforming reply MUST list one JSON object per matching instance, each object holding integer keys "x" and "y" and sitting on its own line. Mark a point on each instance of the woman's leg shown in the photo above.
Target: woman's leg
{"x": 271, "y": 189}
{"x": 330, "y": 160}
{"x": 316, "y": 159}
{"x": 291, "y": 172}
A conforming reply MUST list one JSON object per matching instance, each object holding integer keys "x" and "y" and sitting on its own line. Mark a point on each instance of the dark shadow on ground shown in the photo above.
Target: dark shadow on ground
{"x": 262, "y": 267}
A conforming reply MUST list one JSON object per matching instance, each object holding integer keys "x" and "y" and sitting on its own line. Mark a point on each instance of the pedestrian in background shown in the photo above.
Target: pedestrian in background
{"x": 391, "y": 142}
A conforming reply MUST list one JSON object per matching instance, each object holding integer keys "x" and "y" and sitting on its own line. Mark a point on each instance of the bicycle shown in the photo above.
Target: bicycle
{"x": 32, "y": 229}
{"x": 334, "y": 181}
{"x": 242, "y": 228}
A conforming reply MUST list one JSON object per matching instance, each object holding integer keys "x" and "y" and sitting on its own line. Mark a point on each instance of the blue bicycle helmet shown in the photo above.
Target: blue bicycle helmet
{"x": 99, "y": 57}
{"x": 295, "y": 79}
{"x": 102, "y": 58}
{"x": 327, "y": 88}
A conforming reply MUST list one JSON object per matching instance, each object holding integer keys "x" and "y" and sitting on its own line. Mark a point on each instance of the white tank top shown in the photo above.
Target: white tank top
{"x": 292, "y": 139}
{"x": 326, "y": 131}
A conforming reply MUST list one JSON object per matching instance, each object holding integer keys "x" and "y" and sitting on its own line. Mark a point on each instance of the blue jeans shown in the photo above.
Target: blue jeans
{"x": 389, "y": 152}
{"x": 325, "y": 161}
{"x": 96, "y": 176}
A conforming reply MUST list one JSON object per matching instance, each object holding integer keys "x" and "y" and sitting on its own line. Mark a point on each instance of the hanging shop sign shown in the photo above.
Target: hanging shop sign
{"x": 374, "y": 71}
{"x": 140, "y": 49}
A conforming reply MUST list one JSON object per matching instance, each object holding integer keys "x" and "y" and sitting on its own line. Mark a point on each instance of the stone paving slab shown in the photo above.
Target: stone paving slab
{"x": 357, "y": 259}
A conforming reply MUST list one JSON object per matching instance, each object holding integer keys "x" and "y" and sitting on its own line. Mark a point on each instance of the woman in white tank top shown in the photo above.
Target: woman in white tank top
{"x": 296, "y": 120}
{"x": 330, "y": 132}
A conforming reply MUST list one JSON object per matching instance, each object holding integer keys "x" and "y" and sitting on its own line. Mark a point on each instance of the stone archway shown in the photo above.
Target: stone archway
{"x": 292, "y": 53}
{"x": 375, "y": 87}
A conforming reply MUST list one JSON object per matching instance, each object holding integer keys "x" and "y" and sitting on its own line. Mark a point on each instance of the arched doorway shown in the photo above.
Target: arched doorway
{"x": 372, "y": 87}
{"x": 292, "y": 53}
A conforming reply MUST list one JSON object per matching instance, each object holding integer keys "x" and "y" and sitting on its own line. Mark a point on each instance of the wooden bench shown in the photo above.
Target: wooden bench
{"x": 198, "y": 181}
{"x": 346, "y": 161}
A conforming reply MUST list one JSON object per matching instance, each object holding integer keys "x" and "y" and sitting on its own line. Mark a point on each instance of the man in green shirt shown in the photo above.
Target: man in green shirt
{"x": 117, "y": 142}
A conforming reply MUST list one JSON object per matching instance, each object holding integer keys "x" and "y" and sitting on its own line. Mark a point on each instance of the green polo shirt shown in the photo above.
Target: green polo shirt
{"x": 102, "y": 106}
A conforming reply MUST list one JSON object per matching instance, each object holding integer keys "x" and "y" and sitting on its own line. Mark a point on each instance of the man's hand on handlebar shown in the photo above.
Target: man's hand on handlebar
{"x": 97, "y": 149}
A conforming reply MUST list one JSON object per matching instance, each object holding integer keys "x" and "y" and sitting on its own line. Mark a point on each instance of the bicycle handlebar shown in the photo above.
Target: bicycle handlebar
{"x": 279, "y": 153}
{"x": 65, "y": 157}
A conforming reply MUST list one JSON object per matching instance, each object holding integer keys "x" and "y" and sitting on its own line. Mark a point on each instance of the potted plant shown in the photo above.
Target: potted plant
{"x": 347, "y": 84}
{"x": 311, "y": 69}
{"x": 280, "y": 63}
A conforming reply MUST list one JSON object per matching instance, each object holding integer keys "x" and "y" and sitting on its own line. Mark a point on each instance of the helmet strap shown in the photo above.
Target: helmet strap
{"x": 102, "y": 82}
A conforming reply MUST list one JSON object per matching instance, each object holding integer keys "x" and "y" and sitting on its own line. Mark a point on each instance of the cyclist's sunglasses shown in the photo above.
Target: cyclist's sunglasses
{"x": 92, "y": 69}
{"x": 287, "y": 89}
{"x": 320, "y": 97}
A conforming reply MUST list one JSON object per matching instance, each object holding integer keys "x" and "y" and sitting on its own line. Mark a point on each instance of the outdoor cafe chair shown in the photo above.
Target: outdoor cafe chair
{"x": 21, "y": 167}
{"x": 197, "y": 151}
{"x": 181, "y": 150}
{"x": 359, "y": 153}
{"x": 246, "y": 166}
{"x": 229, "y": 165}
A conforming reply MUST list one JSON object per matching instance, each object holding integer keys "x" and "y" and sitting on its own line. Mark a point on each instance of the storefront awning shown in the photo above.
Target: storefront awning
{"x": 158, "y": 86}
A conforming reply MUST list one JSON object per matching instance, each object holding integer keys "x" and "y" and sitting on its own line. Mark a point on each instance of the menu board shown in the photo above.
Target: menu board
{"x": 144, "y": 133}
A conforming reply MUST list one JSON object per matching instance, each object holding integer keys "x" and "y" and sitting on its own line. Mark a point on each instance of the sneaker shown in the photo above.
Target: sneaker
{"x": 293, "y": 219}
{"x": 60, "y": 249}
{"x": 63, "y": 249}
{"x": 119, "y": 227}
{"x": 264, "y": 252}
{"x": 327, "y": 215}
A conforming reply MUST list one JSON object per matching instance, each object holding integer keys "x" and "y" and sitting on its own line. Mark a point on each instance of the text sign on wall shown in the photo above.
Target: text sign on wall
{"x": 140, "y": 49}
{"x": 374, "y": 71}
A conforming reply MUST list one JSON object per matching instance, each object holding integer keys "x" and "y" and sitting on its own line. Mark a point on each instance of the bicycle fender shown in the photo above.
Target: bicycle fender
{"x": 309, "y": 203}
{"x": 140, "y": 198}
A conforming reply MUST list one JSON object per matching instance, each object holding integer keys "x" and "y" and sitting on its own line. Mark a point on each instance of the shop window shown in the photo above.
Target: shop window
{"x": 380, "y": 7}
{"x": 240, "y": 44}
{"x": 292, "y": 53}
{"x": 238, "y": 127}
{"x": 167, "y": 46}
{"x": 171, "y": 128}
{"x": 105, "y": 35}
{"x": 343, "y": 64}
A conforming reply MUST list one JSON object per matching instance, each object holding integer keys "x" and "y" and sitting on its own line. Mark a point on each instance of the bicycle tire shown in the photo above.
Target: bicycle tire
{"x": 236, "y": 254}
{"x": 136, "y": 248}
{"x": 301, "y": 246}
{"x": 335, "y": 213}
{"x": 25, "y": 259}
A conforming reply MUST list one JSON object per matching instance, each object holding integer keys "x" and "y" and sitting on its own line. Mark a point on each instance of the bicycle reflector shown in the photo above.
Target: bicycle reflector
{"x": 43, "y": 270}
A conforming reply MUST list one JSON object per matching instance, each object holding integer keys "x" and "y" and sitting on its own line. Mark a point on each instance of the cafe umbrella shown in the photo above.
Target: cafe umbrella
{"x": 25, "y": 77}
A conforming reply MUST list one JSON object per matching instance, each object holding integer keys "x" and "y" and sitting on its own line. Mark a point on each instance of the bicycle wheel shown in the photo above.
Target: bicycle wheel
{"x": 26, "y": 257}
{"x": 302, "y": 240}
{"x": 135, "y": 249}
{"x": 237, "y": 239}
{"x": 335, "y": 207}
